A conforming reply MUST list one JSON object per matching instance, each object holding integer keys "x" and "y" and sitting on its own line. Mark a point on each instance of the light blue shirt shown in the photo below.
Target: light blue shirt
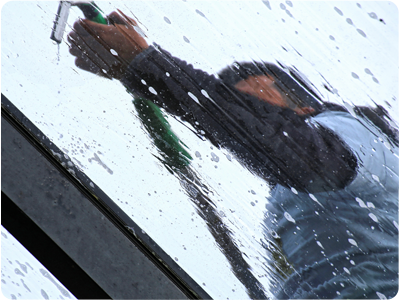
{"x": 343, "y": 243}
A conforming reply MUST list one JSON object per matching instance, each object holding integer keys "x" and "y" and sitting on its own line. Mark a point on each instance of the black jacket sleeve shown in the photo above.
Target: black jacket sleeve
{"x": 273, "y": 142}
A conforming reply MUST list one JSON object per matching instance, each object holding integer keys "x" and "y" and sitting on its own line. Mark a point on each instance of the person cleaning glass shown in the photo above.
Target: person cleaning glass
{"x": 332, "y": 220}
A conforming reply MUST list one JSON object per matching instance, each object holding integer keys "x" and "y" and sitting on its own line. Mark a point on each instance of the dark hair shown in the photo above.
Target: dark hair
{"x": 240, "y": 71}
{"x": 292, "y": 87}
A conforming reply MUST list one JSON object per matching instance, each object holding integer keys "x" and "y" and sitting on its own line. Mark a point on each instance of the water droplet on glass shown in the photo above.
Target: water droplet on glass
{"x": 396, "y": 225}
{"x": 381, "y": 296}
{"x": 361, "y": 203}
{"x": 319, "y": 244}
{"x": 113, "y": 52}
{"x": 294, "y": 191}
{"x": 314, "y": 198}
{"x": 266, "y": 2}
{"x": 353, "y": 242}
{"x": 370, "y": 205}
{"x": 152, "y": 90}
{"x": 289, "y": 217}
{"x": 186, "y": 39}
{"x": 204, "y": 92}
{"x": 348, "y": 20}
{"x": 361, "y": 32}
{"x": 332, "y": 37}
{"x": 354, "y": 75}
{"x": 373, "y": 217}
{"x": 200, "y": 13}
{"x": 338, "y": 11}
{"x": 289, "y": 13}
{"x": 368, "y": 71}
{"x": 18, "y": 272}
{"x": 282, "y": 6}
{"x": 374, "y": 177}
{"x": 44, "y": 294}
{"x": 167, "y": 20}
{"x": 373, "y": 15}
{"x": 193, "y": 97}
{"x": 289, "y": 3}
{"x": 214, "y": 157}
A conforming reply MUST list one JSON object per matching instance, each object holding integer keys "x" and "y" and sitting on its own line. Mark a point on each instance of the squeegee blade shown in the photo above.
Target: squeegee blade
{"x": 61, "y": 21}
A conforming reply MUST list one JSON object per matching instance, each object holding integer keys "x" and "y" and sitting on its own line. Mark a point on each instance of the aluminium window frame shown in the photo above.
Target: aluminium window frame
{"x": 124, "y": 230}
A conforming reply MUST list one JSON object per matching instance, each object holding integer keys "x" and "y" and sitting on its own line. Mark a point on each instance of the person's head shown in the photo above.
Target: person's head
{"x": 268, "y": 83}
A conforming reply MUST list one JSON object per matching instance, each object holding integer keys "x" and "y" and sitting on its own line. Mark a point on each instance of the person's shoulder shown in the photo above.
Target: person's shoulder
{"x": 375, "y": 117}
{"x": 380, "y": 118}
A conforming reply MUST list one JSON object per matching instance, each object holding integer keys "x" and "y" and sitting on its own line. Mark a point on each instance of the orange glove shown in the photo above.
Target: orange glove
{"x": 106, "y": 50}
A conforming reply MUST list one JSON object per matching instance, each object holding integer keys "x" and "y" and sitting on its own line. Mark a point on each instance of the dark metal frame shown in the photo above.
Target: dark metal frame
{"x": 128, "y": 231}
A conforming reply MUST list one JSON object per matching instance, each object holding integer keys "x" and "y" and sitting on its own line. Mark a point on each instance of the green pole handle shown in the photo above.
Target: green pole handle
{"x": 92, "y": 12}
{"x": 175, "y": 156}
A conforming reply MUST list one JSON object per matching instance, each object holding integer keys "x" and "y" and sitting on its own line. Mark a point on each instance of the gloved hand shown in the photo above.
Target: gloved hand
{"x": 106, "y": 50}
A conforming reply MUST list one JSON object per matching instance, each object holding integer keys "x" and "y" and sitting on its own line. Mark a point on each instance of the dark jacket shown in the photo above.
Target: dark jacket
{"x": 274, "y": 142}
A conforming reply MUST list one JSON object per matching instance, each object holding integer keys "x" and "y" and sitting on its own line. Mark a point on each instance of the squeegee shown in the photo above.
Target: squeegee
{"x": 175, "y": 156}
{"x": 90, "y": 10}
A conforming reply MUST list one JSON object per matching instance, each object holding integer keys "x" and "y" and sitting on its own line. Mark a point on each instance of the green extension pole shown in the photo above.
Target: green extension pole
{"x": 175, "y": 156}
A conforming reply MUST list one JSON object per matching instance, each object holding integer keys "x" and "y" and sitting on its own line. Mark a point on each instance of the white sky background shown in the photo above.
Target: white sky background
{"x": 91, "y": 118}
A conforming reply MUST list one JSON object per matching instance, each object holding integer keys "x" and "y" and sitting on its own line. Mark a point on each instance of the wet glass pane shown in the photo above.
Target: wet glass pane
{"x": 255, "y": 141}
{"x": 23, "y": 276}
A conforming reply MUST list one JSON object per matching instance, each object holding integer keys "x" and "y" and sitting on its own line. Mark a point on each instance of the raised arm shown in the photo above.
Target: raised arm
{"x": 272, "y": 141}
